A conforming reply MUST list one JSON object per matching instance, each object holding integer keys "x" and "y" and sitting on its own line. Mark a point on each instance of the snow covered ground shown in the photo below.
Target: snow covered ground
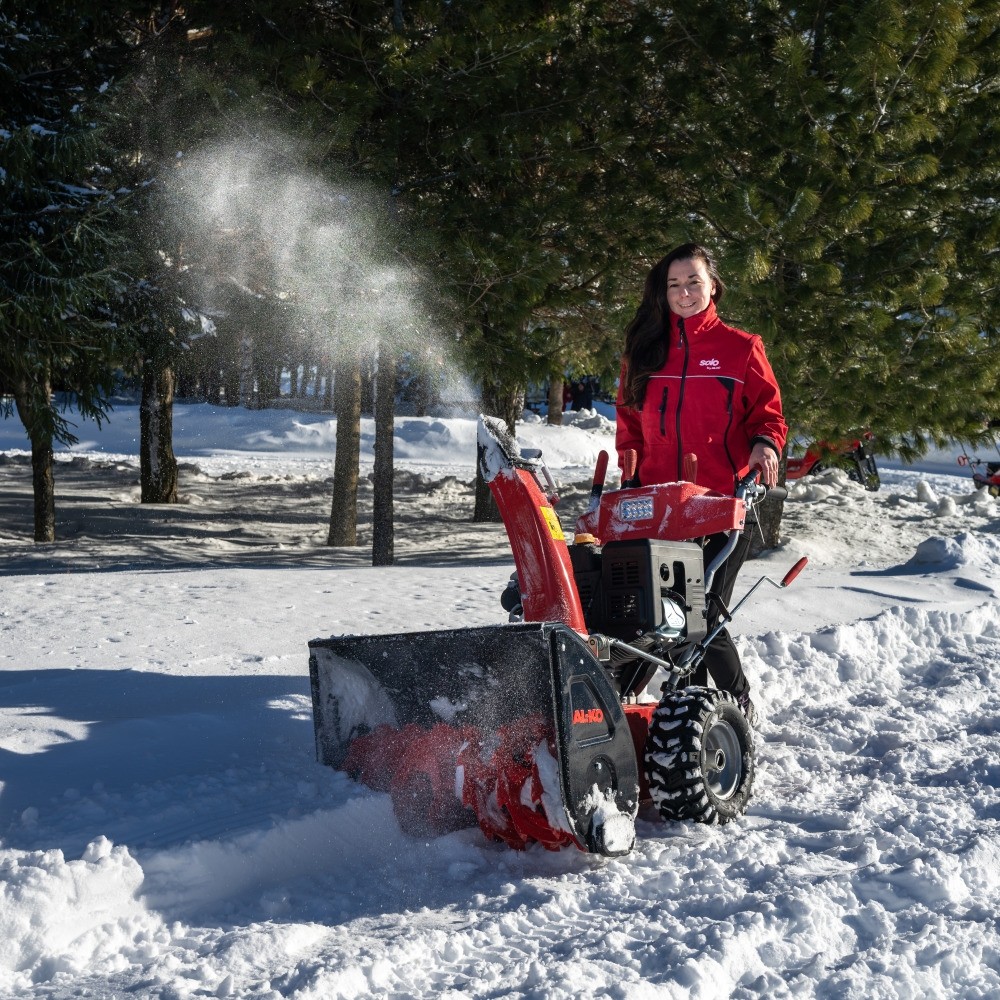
{"x": 166, "y": 832}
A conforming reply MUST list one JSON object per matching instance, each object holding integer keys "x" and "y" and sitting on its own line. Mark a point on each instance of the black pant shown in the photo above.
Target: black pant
{"x": 721, "y": 659}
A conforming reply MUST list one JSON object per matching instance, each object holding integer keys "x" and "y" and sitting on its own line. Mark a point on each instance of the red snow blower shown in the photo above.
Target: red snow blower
{"x": 985, "y": 475}
{"x": 536, "y": 729}
{"x": 855, "y": 457}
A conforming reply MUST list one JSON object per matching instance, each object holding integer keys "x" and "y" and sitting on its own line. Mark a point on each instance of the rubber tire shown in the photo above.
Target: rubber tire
{"x": 871, "y": 481}
{"x": 692, "y": 731}
{"x": 865, "y": 473}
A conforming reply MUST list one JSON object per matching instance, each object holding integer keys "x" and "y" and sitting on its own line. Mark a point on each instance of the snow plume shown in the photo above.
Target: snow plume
{"x": 314, "y": 257}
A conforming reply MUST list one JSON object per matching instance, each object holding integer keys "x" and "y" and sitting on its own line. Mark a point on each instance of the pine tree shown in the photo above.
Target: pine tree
{"x": 487, "y": 122}
{"x": 59, "y": 282}
{"x": 167, "y": 99}
{"x": 841, "y": 160}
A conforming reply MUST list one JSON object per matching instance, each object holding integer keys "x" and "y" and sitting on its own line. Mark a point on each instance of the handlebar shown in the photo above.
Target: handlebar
{"x": 750, "y": 488}
{"x": 751, "y": 491}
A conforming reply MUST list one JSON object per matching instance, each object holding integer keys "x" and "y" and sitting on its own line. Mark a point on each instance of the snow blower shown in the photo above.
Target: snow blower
{"x": 985, "y": 474}
{"x": 539, "y": 730}
{"x": 855, "y": 457}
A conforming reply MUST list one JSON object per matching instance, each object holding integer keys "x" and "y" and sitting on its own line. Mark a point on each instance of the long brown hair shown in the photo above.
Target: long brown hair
{"x": 647, "y": 335}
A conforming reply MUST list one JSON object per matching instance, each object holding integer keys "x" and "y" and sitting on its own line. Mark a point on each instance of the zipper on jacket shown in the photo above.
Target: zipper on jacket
{"x": 730, "y": 386}
{"x": 663, "y": 411}
{"x": 680, "y": 399}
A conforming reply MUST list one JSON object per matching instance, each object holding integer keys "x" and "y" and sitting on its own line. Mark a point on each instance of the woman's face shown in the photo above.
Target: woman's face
{"x": 689, "y": 288}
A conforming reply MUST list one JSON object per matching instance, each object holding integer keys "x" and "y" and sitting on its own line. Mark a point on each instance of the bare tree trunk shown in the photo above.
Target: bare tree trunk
{"x": 231, "y": 373}
{"x": 347, "y": 405}
{"x": 328, "y": 389}
{"x": 421, "y": 391}
{"x": 44, "y": 488}
{"x": 368, "y": 385}
{"x": 157, "y": 463}
{"x": 385, "y": 411}
{"x": 43, "y": 484}
{"x": 506, "y": 402}
{"x": 555, "y": 402}
{"x": 274, "y": 382}
{"x": 213, "y": 374}
{"x": 247, "y": 393}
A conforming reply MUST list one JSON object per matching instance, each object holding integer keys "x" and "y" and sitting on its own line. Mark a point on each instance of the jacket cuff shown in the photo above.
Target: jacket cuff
{"x": 760, "y": 439}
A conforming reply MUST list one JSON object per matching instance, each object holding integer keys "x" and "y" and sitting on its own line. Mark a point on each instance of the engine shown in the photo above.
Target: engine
{"x": 646, "y": 592}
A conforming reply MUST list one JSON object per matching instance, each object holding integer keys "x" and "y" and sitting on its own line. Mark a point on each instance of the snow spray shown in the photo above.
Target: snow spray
{"x": 316, "y": 255}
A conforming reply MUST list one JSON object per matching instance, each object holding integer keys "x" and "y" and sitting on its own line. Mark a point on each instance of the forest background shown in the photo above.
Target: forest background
{"x": 200, "y": 197}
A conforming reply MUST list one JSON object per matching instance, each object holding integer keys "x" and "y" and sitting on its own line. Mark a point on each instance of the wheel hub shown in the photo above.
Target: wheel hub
{"x": 723, "y": 761}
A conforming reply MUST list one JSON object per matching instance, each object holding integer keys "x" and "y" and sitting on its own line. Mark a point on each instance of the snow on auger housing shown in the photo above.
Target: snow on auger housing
{"x": 534, "y": 729}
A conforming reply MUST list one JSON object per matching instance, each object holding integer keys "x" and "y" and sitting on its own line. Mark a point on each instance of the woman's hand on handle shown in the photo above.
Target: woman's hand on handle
{"x": 765, "y": 458}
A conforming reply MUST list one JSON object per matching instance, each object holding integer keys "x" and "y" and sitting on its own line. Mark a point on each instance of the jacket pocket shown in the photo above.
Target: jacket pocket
{"x": 663, "y": 411}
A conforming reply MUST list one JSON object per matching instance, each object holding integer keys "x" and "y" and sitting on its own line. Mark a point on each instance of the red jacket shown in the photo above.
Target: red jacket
{"x": 715, "y": 396}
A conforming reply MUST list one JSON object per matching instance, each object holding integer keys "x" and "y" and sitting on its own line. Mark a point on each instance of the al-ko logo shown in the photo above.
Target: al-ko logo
{"x": 712, "y": 363}
{"x": 584, "y": 716}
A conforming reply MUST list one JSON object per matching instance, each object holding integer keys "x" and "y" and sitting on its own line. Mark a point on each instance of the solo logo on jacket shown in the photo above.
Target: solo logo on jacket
{"x": 709, "y": 363}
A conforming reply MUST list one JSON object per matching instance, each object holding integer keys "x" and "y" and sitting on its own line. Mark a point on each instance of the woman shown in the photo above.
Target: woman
{"x": 692, "y": 385}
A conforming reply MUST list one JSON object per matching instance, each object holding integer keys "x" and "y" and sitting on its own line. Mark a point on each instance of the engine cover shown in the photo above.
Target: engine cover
{"x": 624, "y": 595}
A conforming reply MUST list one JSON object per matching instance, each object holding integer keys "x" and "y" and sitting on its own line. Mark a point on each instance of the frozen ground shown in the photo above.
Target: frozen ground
{"x": 165, "y": 831}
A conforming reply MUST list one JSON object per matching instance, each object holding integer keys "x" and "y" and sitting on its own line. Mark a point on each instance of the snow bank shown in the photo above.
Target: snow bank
{"x": 60, "y": 918}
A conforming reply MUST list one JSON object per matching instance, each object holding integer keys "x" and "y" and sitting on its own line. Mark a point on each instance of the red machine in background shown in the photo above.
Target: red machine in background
{"x": 855, "y": 457}
{"x": 985, "y": 474}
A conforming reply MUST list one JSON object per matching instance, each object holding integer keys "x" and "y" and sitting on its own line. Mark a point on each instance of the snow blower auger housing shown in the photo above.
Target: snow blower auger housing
{"x": 534, "y": 729}
{"x": 450, "y": 714}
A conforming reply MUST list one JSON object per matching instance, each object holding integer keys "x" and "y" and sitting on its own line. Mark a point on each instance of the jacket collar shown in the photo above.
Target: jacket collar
{"x": 696, "y": 323}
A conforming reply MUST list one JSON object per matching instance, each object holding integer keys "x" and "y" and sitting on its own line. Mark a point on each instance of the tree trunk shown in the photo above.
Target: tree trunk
{"x": 555, "y": 402}
{"x": 213, "y": 375}
{"x": 385, "y": 411}
{"x": 232, "y": 374}
{"x": 421, "y": 391}
{"x": 368, "y": 389}
{"x": 506, "y": 402}
{"x": 247, "y": 392}
{"x": 157, "y": 463}
{"x": 44, "y": 488}
{"x": 43, "y": 484}
{"x": 769, "y": 518}
{"x": 328, "y": 389}
{"x": 347, "y": 405}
